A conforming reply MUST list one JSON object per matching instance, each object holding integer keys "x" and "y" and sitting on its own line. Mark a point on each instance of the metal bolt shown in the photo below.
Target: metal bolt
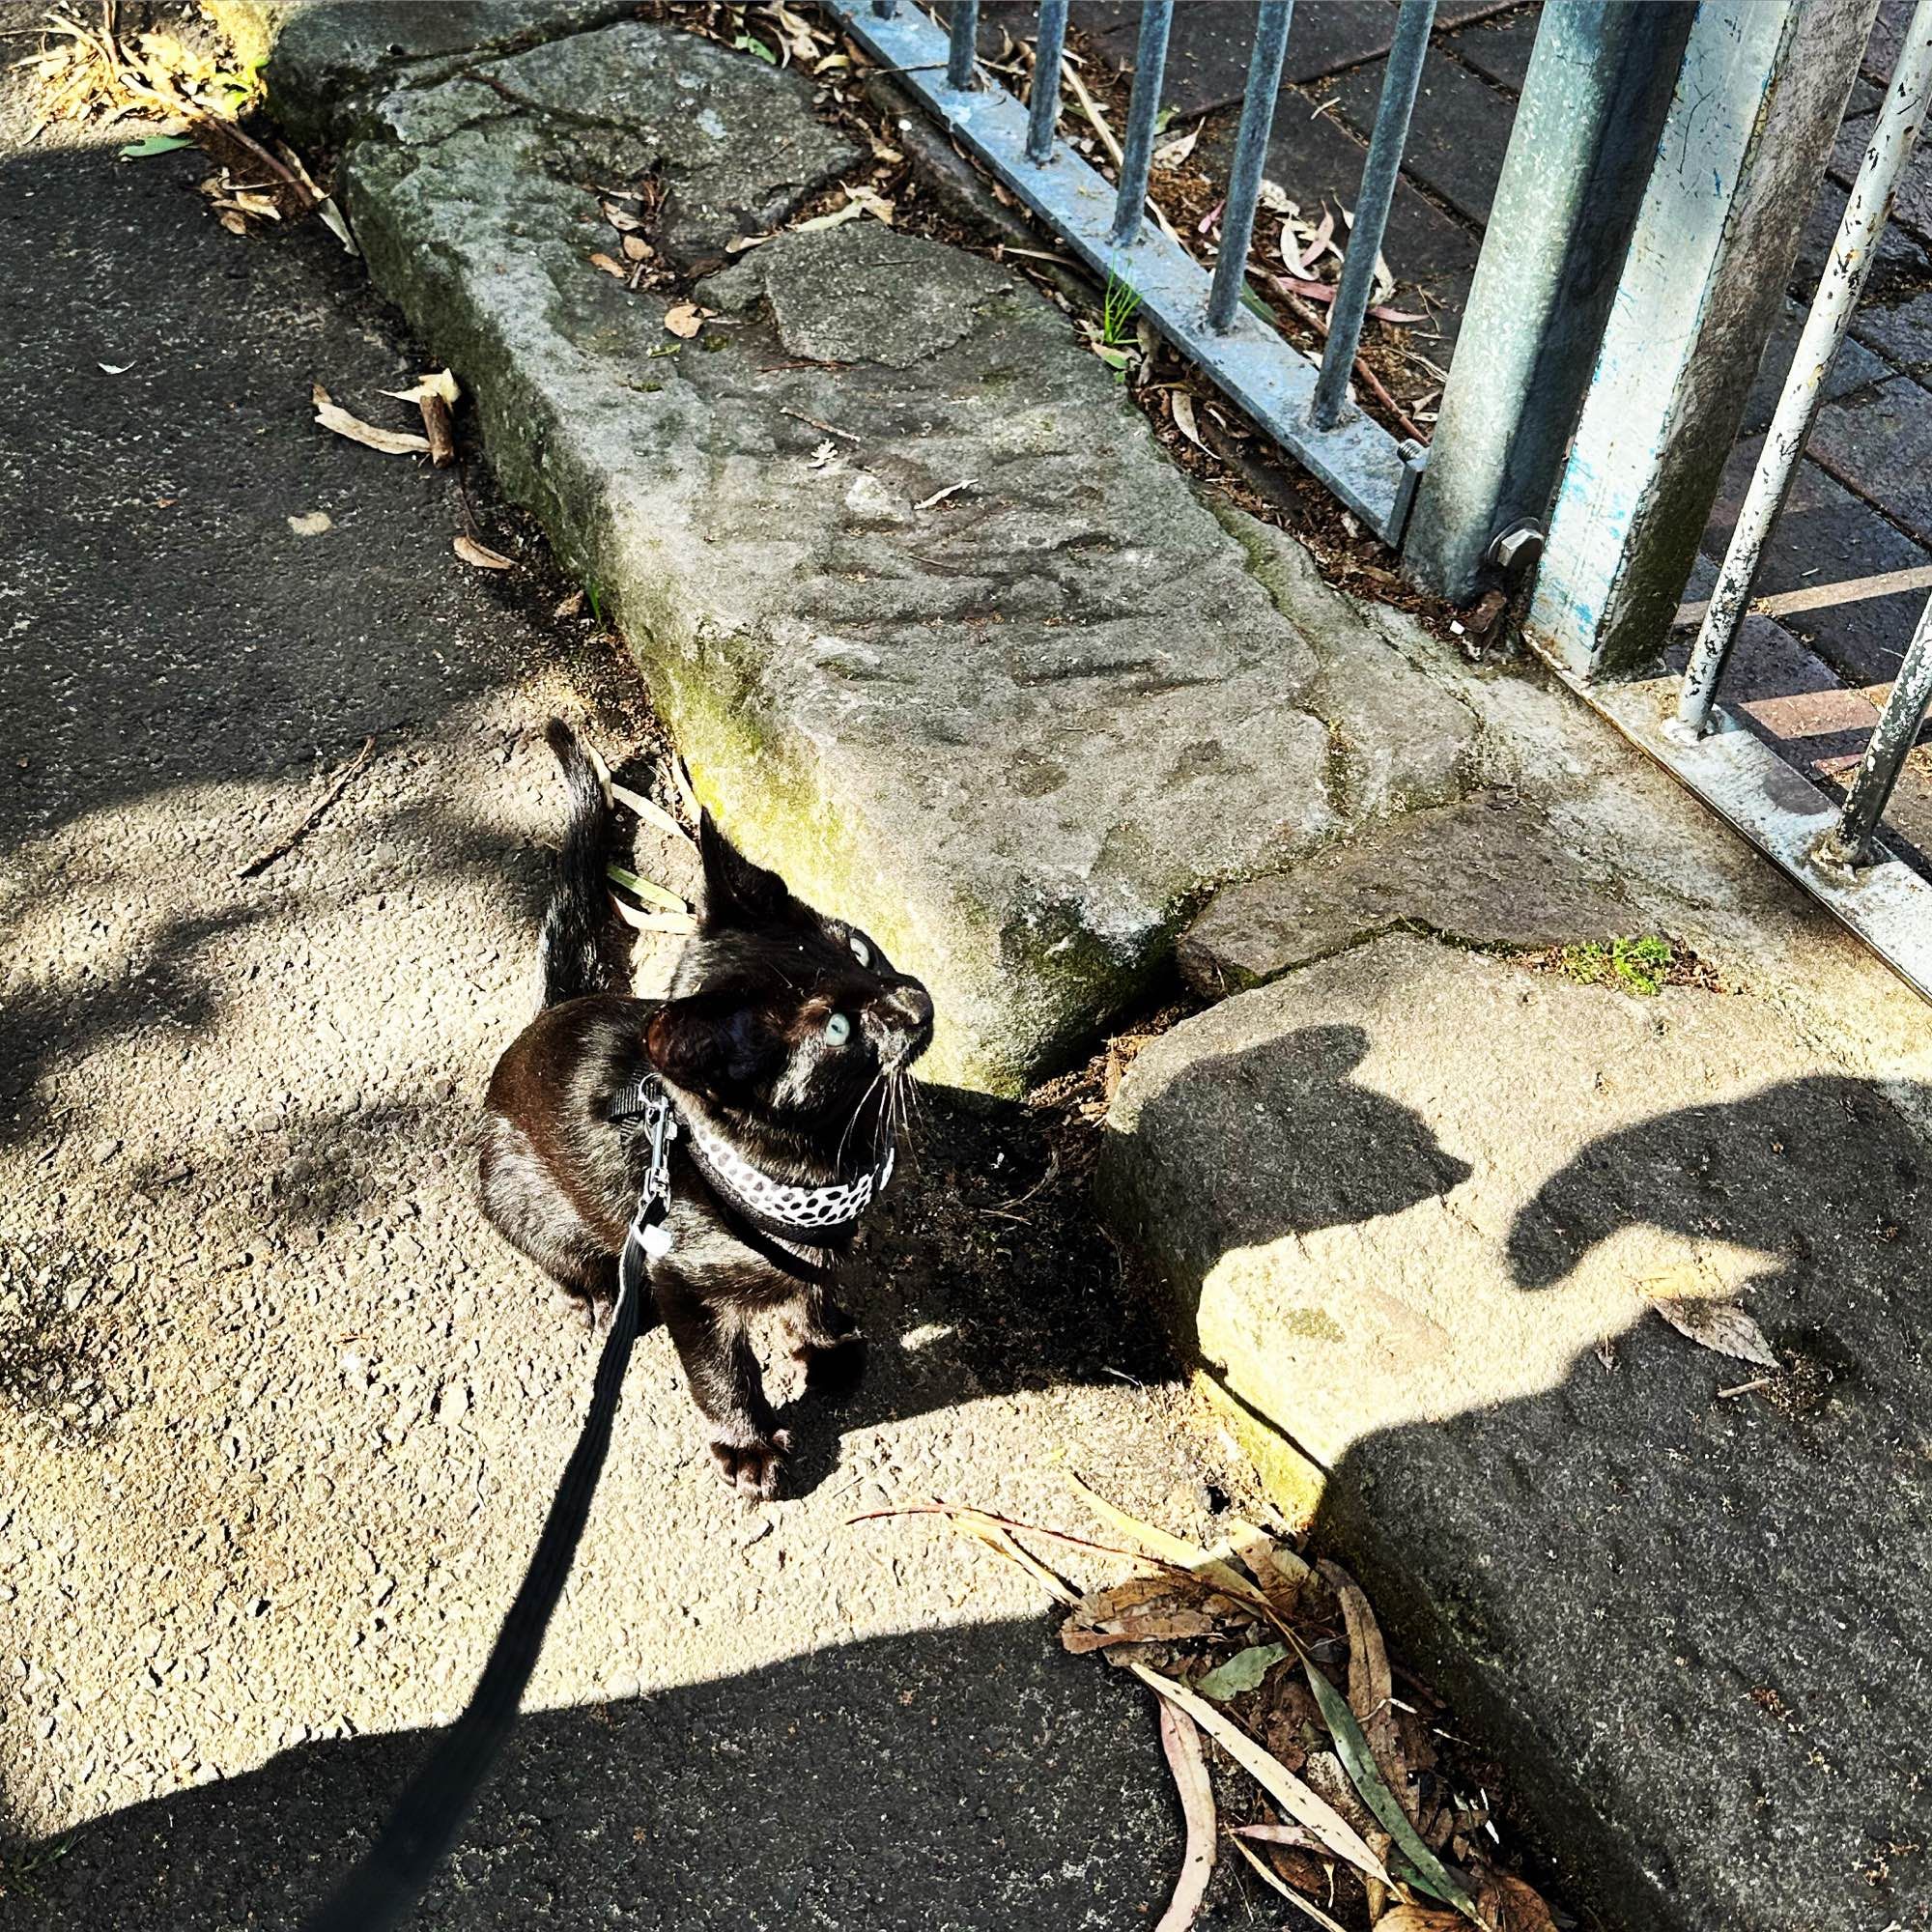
{"x": 1518, "y": 546}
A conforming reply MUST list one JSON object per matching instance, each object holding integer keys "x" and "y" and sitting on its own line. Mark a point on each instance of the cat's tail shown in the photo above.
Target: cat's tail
{"x": 577, "y": 953}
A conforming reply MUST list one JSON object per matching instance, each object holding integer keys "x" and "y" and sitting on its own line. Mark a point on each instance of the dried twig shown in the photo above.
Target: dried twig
{"x": 313, "y": 817}
{"x": 830, "y": 429}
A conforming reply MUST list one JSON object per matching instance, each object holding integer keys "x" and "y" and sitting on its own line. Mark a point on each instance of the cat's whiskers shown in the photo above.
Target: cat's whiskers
{"x": 839, "y": 1158}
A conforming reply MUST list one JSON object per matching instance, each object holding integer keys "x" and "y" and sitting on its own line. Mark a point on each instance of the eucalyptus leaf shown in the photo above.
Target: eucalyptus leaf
{"x": 1242, "y": 1672}
{"x": 1432, "y": 1875}
{"x": 154, "y": 144}
{"x": 647, "y": 890}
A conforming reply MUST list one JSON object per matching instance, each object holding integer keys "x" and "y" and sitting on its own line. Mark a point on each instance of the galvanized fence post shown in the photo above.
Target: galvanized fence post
{"x": 1762, "y": 87}
{"x": 1600, "y": 78}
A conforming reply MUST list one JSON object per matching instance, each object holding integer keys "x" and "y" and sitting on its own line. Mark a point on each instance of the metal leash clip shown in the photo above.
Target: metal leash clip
{"x": 661, "y": 1125}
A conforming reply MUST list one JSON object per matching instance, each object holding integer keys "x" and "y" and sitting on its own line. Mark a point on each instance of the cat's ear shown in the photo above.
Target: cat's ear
{"x": 710, "y": 1042}
{"x": 736, "y": 892}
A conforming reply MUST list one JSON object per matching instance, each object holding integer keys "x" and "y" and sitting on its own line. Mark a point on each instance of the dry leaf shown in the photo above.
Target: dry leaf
{"x": 1180, "y": 406}
{"x": 1147, "y": 1610}
{"x": 1300, "y": 1800}
{"x": 1509, "y": 1905}
{"x": 1170, "y": 1628}
{"x": 1282, "y": 1574}
{"x": 636, "y": 249}
{"x": 390, "y": 441}
{"x": 442, "y": 384}
{"x": 634, "y": 802}
{"x": 1286, "y": 1891}
{"x": 472, "y": 551}
{"x": 1171, "y": 153}
{"x": 571, "y": 606}
{"x": 611, "y": 265}
{"x": 1180, "y": 1742}
{"x": 837, "y": 219}
{"x": 739, "y": 243}
{"x": 1697, "y": 1301}
{"x": 1420, "y": 1919}
{"x": 655, "y": 922}
{"x": 1297, "y": 1838}
{"x": 1721, "y": 1327}
{"x": 685, "y": 320}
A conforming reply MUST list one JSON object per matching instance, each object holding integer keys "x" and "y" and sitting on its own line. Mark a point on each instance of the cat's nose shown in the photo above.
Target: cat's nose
{"x": 907, "y": 1007}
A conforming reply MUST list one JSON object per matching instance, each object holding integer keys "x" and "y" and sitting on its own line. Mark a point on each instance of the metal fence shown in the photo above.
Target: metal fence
{"x": 1611, "y": 329}
{"x": 1304, "y": 407}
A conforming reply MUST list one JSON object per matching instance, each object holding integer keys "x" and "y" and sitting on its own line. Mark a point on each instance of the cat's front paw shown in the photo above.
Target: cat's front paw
{"x": 753, "y": 1468}
{"x": 833, "y": 1369}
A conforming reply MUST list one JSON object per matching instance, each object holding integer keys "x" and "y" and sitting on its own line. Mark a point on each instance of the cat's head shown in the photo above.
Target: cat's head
{"x": 778, "y": 1012}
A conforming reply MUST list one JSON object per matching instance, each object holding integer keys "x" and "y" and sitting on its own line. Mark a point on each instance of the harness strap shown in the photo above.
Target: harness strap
{"x": 767, "y": 1247}
{"x": 769, "y": 1235}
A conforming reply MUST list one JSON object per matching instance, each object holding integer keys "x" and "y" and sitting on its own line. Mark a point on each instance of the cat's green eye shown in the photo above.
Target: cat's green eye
{"x": 860, "y": 951}
{"x": 838, "y": 1029}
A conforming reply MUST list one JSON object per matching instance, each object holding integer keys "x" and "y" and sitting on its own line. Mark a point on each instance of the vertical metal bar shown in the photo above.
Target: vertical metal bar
{"x": 1143, "y": 112}
{"x": 1043, "y": 97}
{"x": 1897, "y": 726}
{"x": 1244, "y": 178}
{"x": 1402, "y": 77}
{"x": 962, "y": 52}
{"x": 1846, "y": 272}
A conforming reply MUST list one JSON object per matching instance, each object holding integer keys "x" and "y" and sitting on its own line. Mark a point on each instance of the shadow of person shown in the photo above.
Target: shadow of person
{"x": 966, "y": 1777}
{"x": 1805, "y": 1170}
{"x": 1680, "y": 1597}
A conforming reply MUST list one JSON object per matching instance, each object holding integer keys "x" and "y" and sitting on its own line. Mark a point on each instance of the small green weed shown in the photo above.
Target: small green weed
{"x": 1118, "y": 308}
{"x": 1640, "y": 965}
{"x": 21, "y": 1871}
{"x": 596, "y": 602}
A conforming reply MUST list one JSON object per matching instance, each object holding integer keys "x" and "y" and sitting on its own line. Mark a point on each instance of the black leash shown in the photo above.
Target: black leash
{"x": 376, "y": 1895}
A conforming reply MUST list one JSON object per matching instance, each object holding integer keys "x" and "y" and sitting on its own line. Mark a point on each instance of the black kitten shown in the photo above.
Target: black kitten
{"x": 784, "y": 1044}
